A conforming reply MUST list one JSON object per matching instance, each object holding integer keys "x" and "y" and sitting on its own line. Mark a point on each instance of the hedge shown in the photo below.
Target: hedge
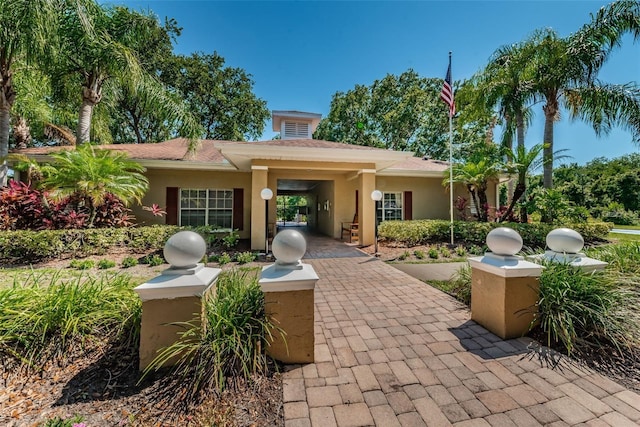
{"x": 418, "y": 232}
{"x": 26, "y": 246}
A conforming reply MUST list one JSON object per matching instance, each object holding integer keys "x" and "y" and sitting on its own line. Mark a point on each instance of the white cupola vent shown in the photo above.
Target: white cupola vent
{"x": 295, "y": 124}
{"x": 296, "y": 130}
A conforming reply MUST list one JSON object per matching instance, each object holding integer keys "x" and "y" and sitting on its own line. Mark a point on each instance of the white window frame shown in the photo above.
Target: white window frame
{"x": 382, "y": 211}
{"x": 207, "y": 201}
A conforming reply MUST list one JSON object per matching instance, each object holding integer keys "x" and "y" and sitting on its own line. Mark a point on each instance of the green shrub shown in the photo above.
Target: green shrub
{"x": 129, "y": 261}
{"x": 84, "y": 264}
{"x": 433, "y": 253}
{"x": 224, "y": 258}
{"x": 153, "y": 260}
{"x": 44, "y": 317}
{"x": 461, "y": 251}
{"x": 404, "y": 255}
{"x": 585, "y": 312}
{"x": 104, "y": 264}
{"x": 445, "y": 252}
{"x": 34, "y": 246}
{"x": 419, "y": 254}
{"x": 425, "y": 231}
{"x": 230, "y": 241}
{"x": 245, "y": 257}
{"x": 231, "y": 344}
{"x": 617, "y": 214}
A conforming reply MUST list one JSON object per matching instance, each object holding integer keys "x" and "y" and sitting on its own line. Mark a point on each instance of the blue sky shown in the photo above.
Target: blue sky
{"x": 300, "y": 53}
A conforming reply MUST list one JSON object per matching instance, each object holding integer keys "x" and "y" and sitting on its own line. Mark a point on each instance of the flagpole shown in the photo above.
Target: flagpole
{"x": 451, "y": 164}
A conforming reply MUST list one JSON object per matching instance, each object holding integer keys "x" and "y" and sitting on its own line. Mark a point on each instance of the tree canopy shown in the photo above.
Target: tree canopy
{"x": 402, "y": 112}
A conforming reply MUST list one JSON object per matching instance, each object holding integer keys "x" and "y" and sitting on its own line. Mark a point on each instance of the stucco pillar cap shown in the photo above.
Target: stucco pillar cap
{"x": 178, "y": 283}
{"x": 282, "y": 278}
{"x": 506, "y": 265}
{"x": 579, "y": 260}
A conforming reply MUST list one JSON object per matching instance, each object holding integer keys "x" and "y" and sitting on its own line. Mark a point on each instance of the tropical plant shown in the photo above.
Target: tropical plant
{"x": 475, "y": 176}
{"x": 99, "y": 46}
{"x": 105, "y": 264}
{"x": 26, "y": 31}
{"x": 565, "y": 73}
{"x": 521, "y": 162}
{"x": 91, "y": 174}
{"x": 506, "y": 83}
{"x": 231, "y": 342}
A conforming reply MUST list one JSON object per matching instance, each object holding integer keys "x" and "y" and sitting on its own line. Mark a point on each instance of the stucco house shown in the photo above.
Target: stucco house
{"x": 220, "y": 182}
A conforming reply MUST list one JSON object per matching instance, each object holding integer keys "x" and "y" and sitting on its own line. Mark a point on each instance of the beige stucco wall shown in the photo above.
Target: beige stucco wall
{"x": 430, "y": 198}
{"x": 160, "y": 179}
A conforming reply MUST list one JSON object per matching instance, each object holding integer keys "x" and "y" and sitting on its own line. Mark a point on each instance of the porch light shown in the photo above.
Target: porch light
{"x": 266, "y": 194}
{"x": 376, "y": 196}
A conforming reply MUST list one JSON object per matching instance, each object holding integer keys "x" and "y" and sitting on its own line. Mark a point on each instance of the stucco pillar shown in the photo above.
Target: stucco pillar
{"x": 259, "y": 180}
{"x": 366, "y": 206}
{"x": 175, "y": 296}
{"x": 288, "y": 287}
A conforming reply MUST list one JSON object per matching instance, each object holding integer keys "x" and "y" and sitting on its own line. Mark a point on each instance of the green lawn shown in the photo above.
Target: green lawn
{"x": 620, "y": 237}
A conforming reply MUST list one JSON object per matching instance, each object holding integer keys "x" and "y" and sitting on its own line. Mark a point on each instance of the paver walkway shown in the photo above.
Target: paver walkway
{"x": 391, "y": 351}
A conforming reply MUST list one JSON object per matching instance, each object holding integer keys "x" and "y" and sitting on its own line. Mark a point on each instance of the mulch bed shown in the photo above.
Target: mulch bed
{"x": 101, "y": 385}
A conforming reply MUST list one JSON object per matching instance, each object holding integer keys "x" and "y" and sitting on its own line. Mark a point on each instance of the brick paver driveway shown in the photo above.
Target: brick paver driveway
{"x": 391, "y": 351}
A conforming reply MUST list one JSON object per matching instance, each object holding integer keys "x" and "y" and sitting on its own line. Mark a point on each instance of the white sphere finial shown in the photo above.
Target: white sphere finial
{"x": 504, "y": 241}
{"x": 184, "y": 249}
{"x": 376, "y": 195}
{"x": 266, "y": 194}
{"x": 288, "y": 247}
{"x": 565, "y": 240}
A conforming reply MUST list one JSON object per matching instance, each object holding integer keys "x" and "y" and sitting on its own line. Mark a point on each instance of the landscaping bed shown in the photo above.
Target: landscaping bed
{"x": 94, "y": 373}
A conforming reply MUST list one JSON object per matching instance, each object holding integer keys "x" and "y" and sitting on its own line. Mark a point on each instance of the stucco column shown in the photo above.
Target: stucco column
{"x": 366, "y": 206}
{"x": 259, "y": 180}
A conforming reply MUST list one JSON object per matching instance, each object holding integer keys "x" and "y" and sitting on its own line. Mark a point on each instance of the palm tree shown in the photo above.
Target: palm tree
{"x": 91, "y": 174}
{"x": 476, "y": 176}
{"x": 506, "y": 83}
{"x": 25, "y": 32}
{"x": 565, "y": 71}
{"x": 99, "y": 46}
{"x": 521, "y": 162}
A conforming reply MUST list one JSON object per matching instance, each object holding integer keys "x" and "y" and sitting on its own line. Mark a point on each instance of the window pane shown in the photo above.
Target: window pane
{"x": 192, "y": 218}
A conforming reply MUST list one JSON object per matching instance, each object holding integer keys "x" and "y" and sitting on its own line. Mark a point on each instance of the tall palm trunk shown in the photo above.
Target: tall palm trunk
{"x": 520, "y": 129}
{"x": 4, "y": 145}
{"x": 550, "y": 113}
{"x": 91, "y": 96}
{"x": 7, "y": 96}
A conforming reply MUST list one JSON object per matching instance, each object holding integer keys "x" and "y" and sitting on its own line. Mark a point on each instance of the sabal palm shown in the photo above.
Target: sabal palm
{"x": 565, "y": 71}
{"x": 26, "y": 28}
{"x": 92, "y": 174}
{"x": 476, "y": 176}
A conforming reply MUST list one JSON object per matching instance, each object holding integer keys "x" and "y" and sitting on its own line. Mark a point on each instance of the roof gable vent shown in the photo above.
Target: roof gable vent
{"x": 294, "y": 130}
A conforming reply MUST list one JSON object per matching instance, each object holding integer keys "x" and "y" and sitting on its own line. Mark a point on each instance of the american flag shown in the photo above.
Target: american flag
{"x": 447, "y": 92}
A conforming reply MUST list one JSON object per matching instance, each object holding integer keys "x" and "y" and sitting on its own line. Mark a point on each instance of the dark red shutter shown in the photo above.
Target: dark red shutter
{"x": 408, "y": 205}
{"x": 238, "y": 208}
{"x": 172, "y": 206}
